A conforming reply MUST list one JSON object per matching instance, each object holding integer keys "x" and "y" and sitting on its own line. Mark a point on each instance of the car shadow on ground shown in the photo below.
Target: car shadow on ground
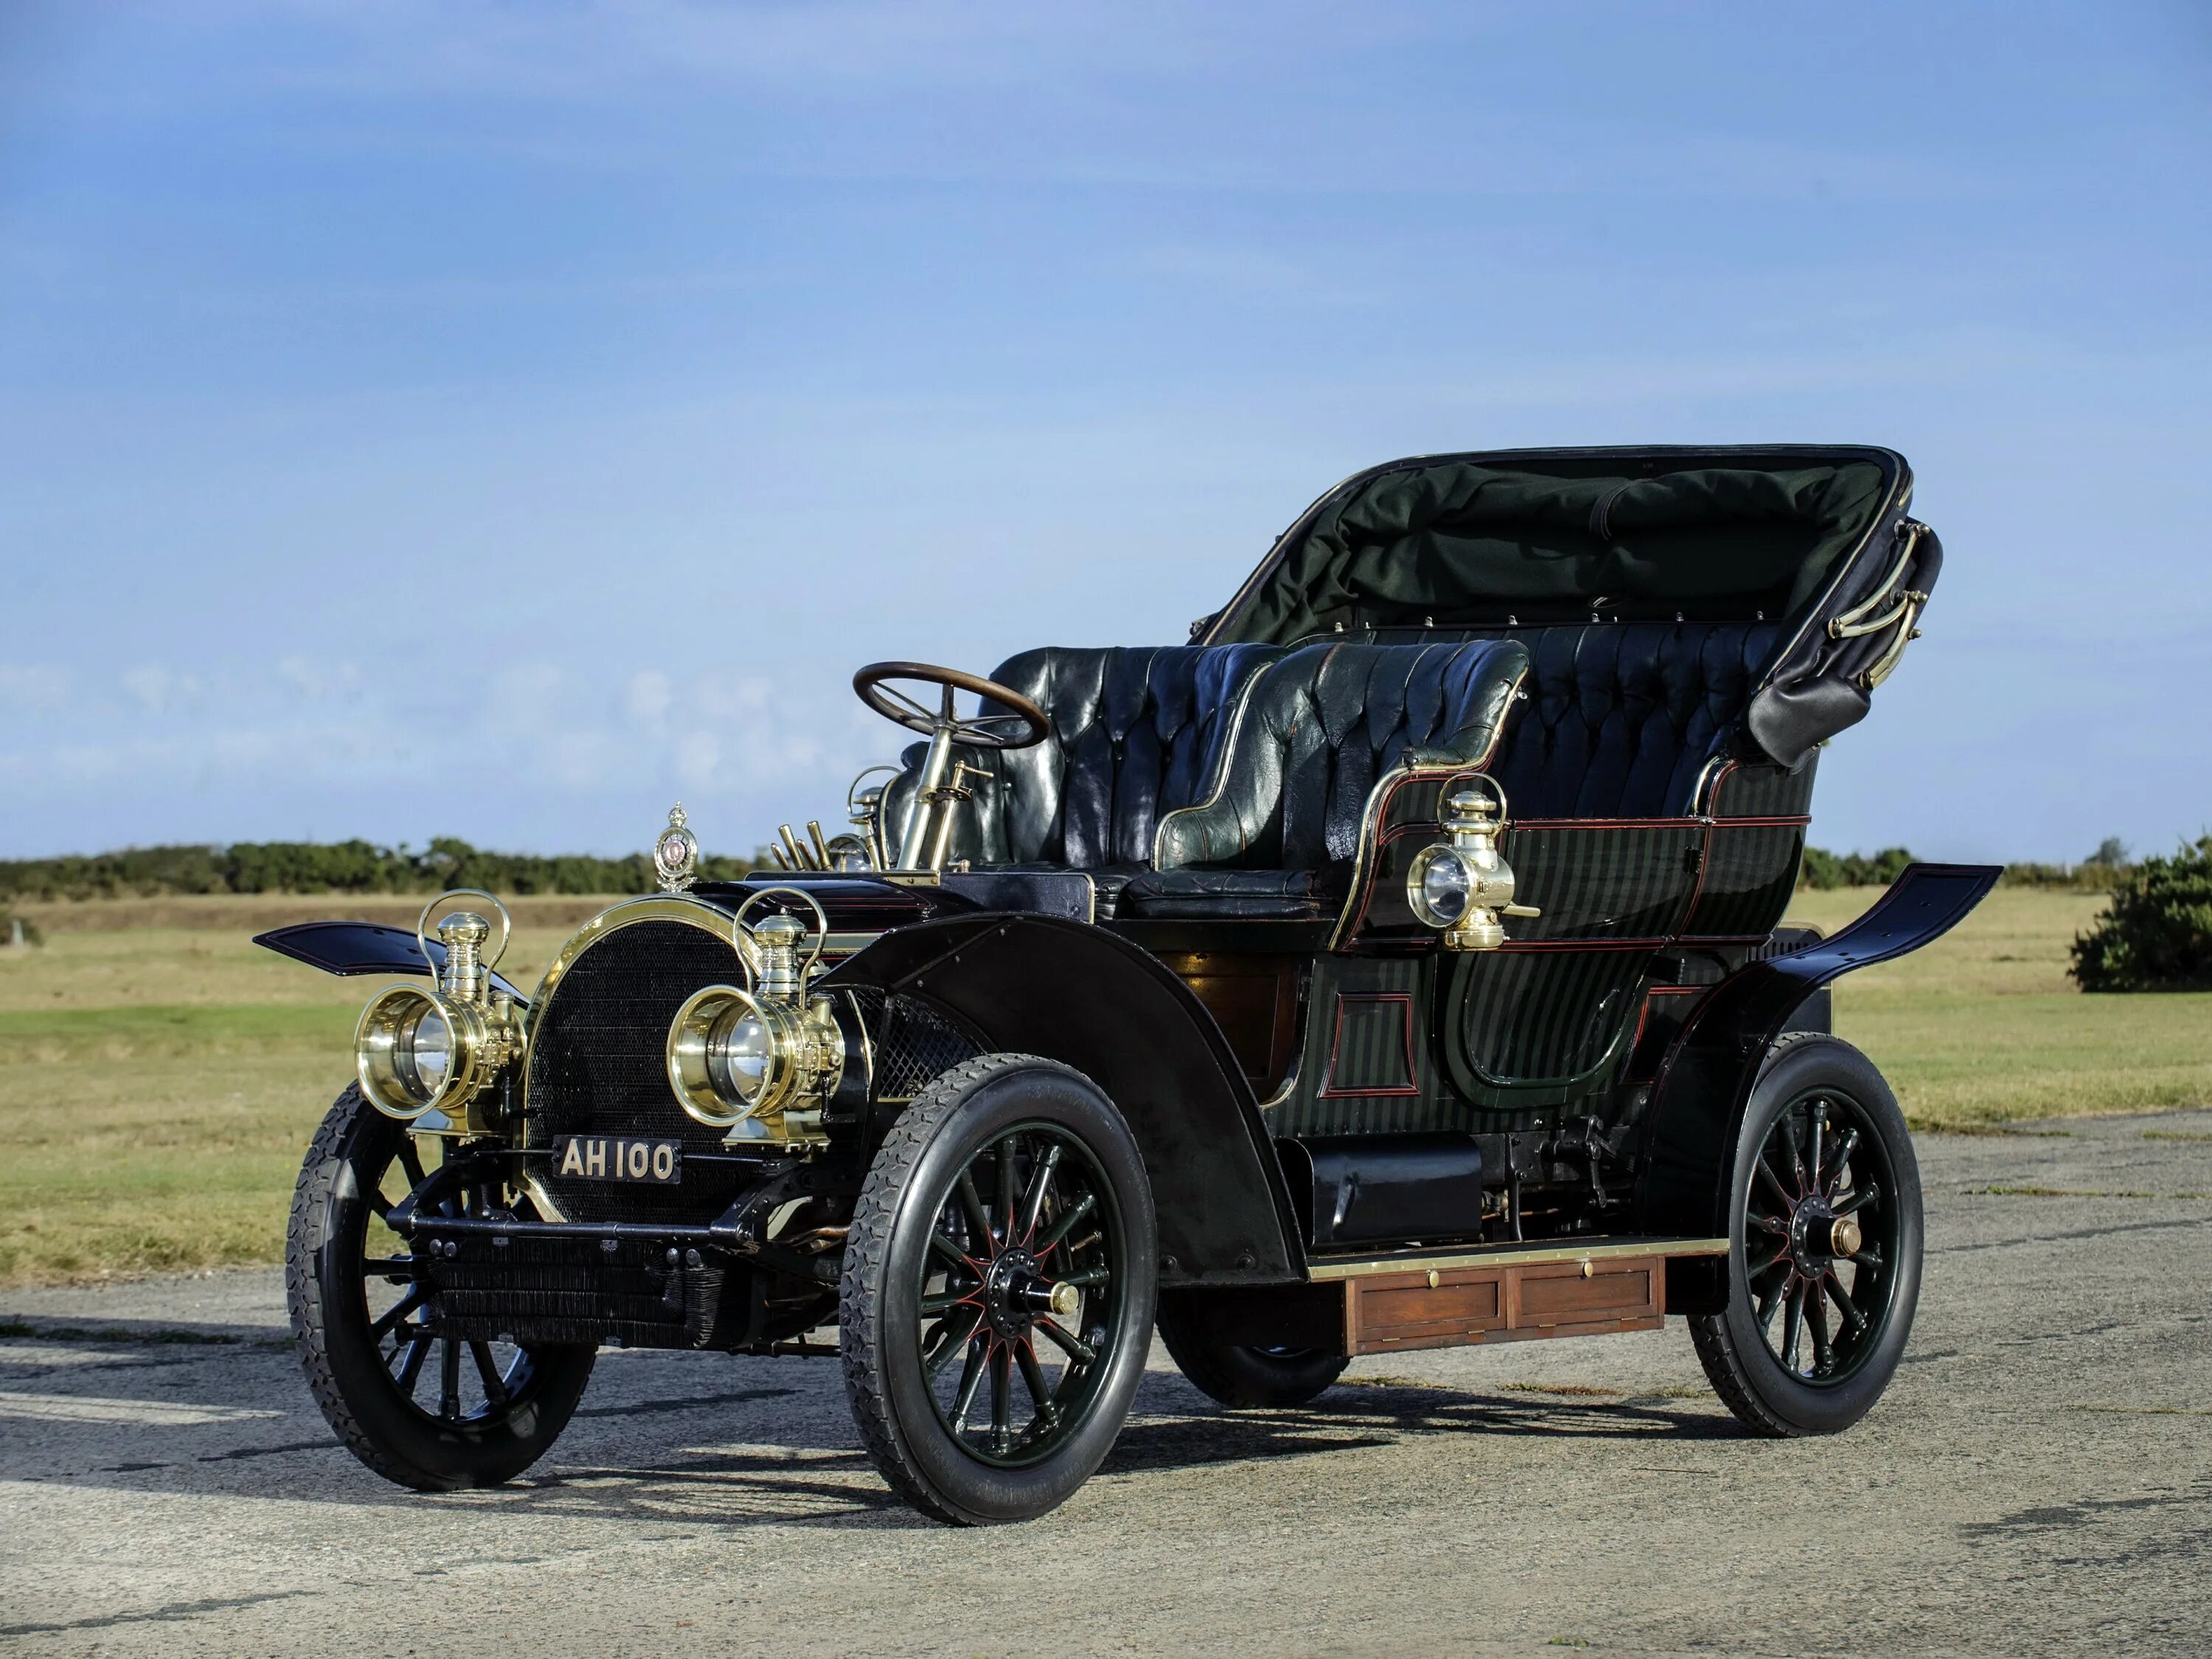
{"x": 796, "y": 1479}
{"x": 770, "y": 1442}
{"x": 1175, "y": 1427}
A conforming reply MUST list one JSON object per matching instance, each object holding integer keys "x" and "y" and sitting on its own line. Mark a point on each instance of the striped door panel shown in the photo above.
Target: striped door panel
{"x": 1602, "y": 881}
{"x": 1751, "y": 870}
{"x": 1549, "y": 1018}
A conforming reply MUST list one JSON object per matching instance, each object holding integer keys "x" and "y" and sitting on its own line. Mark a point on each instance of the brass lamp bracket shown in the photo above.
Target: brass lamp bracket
{"x": 1472, "y": 870}
{"x": 762, "y": 1062}
{"x": 443, "y": 1086}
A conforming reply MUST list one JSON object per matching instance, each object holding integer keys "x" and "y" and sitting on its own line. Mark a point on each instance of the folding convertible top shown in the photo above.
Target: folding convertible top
{"x": 1813, "y": 538}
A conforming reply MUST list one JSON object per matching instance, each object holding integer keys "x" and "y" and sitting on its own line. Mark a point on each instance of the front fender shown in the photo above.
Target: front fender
{"x": 1040, "y": 985}
{"x": 1704, "y": 1084}
{"x": 348, "y": 948}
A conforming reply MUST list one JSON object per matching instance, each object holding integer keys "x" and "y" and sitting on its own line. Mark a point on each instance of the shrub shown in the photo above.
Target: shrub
{"x": 2087, "y": 877}
{"x": 1824, "y": 869}
{"x": 15, "y": 930}
{"x": 2156, "y": 934}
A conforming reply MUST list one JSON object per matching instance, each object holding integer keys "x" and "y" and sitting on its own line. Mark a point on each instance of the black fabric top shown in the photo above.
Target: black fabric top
{"x": 1456, "y": 542}
{"x": 1779, "y": 544}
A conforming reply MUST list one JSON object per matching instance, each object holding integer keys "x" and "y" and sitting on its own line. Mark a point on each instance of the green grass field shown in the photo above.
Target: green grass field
{"x": 158, "y": 1084}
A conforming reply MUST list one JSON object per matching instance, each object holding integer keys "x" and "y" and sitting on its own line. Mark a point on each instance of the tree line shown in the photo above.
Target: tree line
{"x": 360, "y": 866}
{"x": 345, "y": 866}
{"x": 2156, "y": 934}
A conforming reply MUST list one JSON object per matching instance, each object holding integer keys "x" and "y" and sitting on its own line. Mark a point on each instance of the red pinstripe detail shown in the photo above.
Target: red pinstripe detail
{"x": 1329, "y": 1090}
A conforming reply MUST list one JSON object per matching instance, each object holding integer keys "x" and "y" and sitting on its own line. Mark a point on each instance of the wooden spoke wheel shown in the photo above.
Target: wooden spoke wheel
{"x": 1825, "y": 1245}
{"x": 420, "y": 1404}
{"x": 999, "y": 1290}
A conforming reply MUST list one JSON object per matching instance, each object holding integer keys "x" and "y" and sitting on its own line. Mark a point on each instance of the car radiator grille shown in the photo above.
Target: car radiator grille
{"x": 597, "y": 1066}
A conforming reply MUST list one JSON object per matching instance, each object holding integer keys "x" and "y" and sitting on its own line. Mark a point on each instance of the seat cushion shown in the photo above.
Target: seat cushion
{"x": 1321, "y": 727}
{"x": 1273, "y": 895}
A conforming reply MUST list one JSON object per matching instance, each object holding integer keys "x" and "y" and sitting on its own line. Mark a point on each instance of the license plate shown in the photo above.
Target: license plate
{"x": 613, "y": 1157}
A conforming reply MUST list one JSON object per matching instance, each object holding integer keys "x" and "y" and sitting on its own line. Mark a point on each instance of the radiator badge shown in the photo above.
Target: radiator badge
{"x": 676, "y": 854}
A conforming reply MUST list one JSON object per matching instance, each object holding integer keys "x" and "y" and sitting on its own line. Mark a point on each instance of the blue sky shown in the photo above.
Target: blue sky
{"x": 501, "y": 420}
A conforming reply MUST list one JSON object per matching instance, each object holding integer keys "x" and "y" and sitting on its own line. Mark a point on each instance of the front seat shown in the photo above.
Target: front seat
{"x": 1294, "y": 786}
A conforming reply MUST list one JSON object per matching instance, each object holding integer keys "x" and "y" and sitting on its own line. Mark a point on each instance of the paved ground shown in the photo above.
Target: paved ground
{"x": 2039, "y": 1476}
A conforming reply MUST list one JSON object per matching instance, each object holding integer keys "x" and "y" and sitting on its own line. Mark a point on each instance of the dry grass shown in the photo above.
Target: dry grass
{"x": 157, "y": 1085}
{"x": 1984, "y": 1026}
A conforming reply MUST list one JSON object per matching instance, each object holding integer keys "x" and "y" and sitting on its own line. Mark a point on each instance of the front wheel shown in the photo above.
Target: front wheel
{"x": 420, "y": 1407}
{"x": 1824, "y": 1245}
{"x": 998, "y": 1295}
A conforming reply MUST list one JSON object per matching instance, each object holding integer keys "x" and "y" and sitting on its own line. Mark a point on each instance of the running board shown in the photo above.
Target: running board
{"x": 1511, "y": 1293}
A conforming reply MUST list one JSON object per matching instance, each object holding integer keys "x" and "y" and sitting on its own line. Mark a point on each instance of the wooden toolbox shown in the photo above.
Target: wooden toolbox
{"x": 1454, "y": 1306}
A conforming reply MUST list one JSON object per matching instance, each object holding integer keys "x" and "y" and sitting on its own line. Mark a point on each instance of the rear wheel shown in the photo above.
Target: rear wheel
{"x": 426, "y": 1410}
{"x": 1240, "y": 1374}
{"x": 1824, "y": 1249}
{"x": 998, "y": 1294}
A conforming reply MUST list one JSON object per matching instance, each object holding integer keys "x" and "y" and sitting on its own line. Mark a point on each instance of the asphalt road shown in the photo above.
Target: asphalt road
{"x": 2040, "y": 1477}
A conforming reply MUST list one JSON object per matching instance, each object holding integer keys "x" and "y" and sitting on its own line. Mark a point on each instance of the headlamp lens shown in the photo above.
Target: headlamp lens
{"x": 744, "y": 1051}
{"x": 423, "y": 1055}
{"x": 1444, "y": 888}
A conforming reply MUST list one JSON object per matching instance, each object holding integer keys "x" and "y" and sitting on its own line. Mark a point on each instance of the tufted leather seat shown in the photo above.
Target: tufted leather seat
{"x": 1622, "y": 717}
{"x": 1133, "y": 734}
{"x": 1318, "y": 729}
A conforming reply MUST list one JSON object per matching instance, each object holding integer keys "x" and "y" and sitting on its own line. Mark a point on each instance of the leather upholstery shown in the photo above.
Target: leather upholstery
{"x": 1317, "y": 730}
{"x": 1275, "y": 895}
{"x": 1133, "y": 734}
{"x": 1622, "y": 717}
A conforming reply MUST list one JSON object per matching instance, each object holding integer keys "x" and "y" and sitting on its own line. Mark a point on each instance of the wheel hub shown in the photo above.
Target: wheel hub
{"x": 1008, "y": 1284}
{"x": 1818, "y": 1235}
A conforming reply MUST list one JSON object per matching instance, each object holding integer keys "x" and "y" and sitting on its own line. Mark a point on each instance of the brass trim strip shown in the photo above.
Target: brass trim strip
{"x": 1370, "y": 851}
{"x": 1497, "y": 1256}
{"x": 1218, "y": 784}
{"x": 697, "y": 913}
{"x": 666, "y": 907}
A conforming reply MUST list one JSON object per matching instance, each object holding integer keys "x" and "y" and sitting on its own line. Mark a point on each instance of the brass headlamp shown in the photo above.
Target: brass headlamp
{"x": 760, "y": 1062}
{"x": 1463, "y": 884}
{"x": 428, "y": 1058}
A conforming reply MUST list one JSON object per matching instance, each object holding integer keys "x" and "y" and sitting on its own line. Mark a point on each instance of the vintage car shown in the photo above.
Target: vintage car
{"x": 1395, "y": 965}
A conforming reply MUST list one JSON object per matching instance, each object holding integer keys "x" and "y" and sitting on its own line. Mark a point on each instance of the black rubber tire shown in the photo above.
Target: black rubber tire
{"x": 1751, "y": 1381}
{"x": 1237, "y": 1375}
{"x": 959, "y": 1113}
{"x": 325, "y": 1287}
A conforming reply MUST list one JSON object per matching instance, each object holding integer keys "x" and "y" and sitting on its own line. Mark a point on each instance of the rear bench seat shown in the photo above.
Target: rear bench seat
{"x": 1621, "y": 718}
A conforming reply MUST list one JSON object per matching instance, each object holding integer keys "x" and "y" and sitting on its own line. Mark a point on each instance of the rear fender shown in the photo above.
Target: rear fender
{"x": 1039, "y": 985}
{"x": 1705, "y": 1082}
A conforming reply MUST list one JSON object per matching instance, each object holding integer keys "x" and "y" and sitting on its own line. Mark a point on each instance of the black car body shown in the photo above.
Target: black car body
{"x": 1394, "y": 965}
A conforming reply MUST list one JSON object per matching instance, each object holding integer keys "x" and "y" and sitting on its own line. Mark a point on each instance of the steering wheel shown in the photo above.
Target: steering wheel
{"x": 981, "y": 732}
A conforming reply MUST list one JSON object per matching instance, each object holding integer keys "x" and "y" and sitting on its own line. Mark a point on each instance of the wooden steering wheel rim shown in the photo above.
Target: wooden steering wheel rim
{"x": 1037, "y": 722}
